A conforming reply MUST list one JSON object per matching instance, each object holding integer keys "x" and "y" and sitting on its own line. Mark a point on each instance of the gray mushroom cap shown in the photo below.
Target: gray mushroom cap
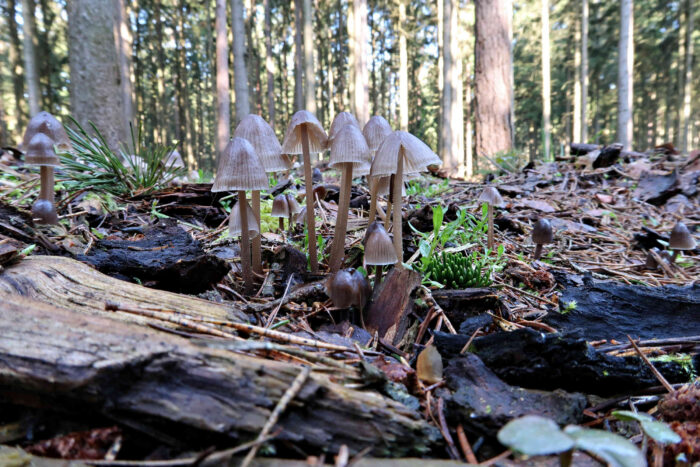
{"x": 681, "y": 238}
{"x": 542, "y": 232}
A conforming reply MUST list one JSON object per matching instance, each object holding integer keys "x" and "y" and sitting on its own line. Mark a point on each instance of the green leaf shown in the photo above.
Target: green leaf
{"x": 533, "y": 435}
{"x": 438, "y": 215}
{"x": 614, "y": 449}
{"x": 656, "y": 430}
{"x": 424, "y": 248}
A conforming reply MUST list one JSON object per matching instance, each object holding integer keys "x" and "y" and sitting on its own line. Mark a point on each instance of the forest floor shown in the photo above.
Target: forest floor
{"x": 127, "y": 333}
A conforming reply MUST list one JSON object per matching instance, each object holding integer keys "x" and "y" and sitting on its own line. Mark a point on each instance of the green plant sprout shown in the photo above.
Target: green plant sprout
{"x": 457, "y": 271}
{"x": 568, "y": 307}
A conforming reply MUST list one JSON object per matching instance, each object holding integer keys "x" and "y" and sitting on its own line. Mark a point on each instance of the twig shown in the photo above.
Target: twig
{"x": 466, "y": 447}
{"x": 515, "y": 289}
{"x": 289, "y": 394}
{"x": 469, "y": 342}
{"x": 651, "y": 366}
{"x": 446, "y": 431}
{"x": 279, "y": 305}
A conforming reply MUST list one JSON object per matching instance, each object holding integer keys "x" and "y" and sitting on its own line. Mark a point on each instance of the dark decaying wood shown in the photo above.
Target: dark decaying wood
{"x": 56, "y": 357}
{"x": 391, "y": 304}
{"x": 459, "y": 305}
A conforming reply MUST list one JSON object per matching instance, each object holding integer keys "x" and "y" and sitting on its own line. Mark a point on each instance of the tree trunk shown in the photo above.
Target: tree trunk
{"x": 162, "y": 112}
{"x": 298, "y": 56}
{"x": 452, "y": 107}
{"x": 223, "y": 102}
{"x": 625, "y": 74}
{"x": 95, "y": 91}
{"x": 122, "y": 38}
{"x": 441, "y": 74}
{"x": 269, "y": 65}
{"x": 576, "y": 136}
{"x": 361, "y": 59}
{"x": 403, "y": 68}
{"x": 493, "y": 78}
{"x": 15, "y": 63}
{"x": 309, "y": 74}
{"x": 31, "y": 69}
{"x": 240, "y": 75}
{"x": 351, "y": 55}
{"x": 584, "y": 69}
{"x": 688, "y": 81}
{"x": 546, "y": 84}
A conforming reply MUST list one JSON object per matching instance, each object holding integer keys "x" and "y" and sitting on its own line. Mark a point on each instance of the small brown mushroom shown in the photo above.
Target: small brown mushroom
{"x": 285, "y": 206}
{"x": 348, "y": 287}
{"x": 304, "y": 136}
{"x": 235, "y": 223}
{"x": 40, "y": 152}
{"x": 45, "y": 123}
{"x": 541, "y": 234}
{"x": 681, "y": 239}
{"x": 492, "y": 198}
{"x": 379, "y": 250}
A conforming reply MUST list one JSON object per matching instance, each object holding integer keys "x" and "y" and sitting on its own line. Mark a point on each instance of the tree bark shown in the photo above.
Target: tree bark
{"x": 15, "y": 63}
{"x": 576, "y": 134}
{"x": 403, "y": 69}
{"x": 298, "y": 56}
{"x": 223, "y": 103}
{"x": 584, "y": 69}
{"x": 688, "y": 81}
{"x": 95, "y": 91}
{"x": 361, "y": 57}
{"x": 31, "y": 69}
{"x": 452, "y": 106}
{"x": 240, "y": 75}
{"x": 122, "y": 39}
{"x": 547, "y": 85}
{"x": 309, "y": 74}
{"x": 493, "y": 78}
{"x": 351, "y": 55}
{"x": 269, "y": 65}
{"x": 625, "y": 86}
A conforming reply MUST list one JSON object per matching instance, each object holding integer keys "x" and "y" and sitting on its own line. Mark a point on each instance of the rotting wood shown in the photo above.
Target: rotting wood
{"x": 391, "y": 304}
{"x": 86, "y": 362}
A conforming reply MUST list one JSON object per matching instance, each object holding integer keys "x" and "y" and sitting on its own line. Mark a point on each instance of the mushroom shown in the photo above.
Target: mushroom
{"x": 541, "y": 234}
{"x": 348, "y": 287}
{"x": 401, "y": 153}
{"x": 680, "y": 239}
{"x": 262, "y": 137}
{"x": 239, "y": 170}
{"x": 235, "y": 223}
{"x": 174, "y": 161}
{"x": 304, "y": 136}
{"x": 40, "y": 152}
{"x": 45, "y": 123}
{"x": 429, "y": 365}
{"x": 348, "y": 150}
{"x": 379, "y": 250}
{"x": 340, "y": 121}
{"x": 375, "y": 130}
{"x": 651, "y": 262}
{"x": 285, "y": 206}
{"x": 492, "y": 198}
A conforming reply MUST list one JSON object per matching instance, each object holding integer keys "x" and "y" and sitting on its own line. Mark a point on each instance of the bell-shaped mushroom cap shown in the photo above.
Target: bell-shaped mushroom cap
{"x": 263, "y": 139}
{"x": 340, "y": 287}
{"x": 681, "y": 239}
{"x": 542, "y": 232}
{"x": 318, "y": 140}
{"x": 40, "y": 151}
{"x": 375, "y": 130}
{"x": 349, "y": 146}
{"x": 340, "y": 121}
{"x": 491, "y": 196}
{"x": 294, "y": 206}
{"x": 174, "y": 161}
{"x": 280, "y": 206}
{"x": 45, "y": 123}
{"x": 418, "y": 156}
{"x": 362, "y": 287}
{"x": 234, "y": 223}
{"x": 379, "y": 248}
{"x": 239, "y": 168}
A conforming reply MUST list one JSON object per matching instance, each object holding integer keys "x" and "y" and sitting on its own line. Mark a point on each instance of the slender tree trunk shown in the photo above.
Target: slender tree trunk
{"x": 94, "y": 76}
{"x": 625, "y": 77}
{"x": 687, "y": 87}
{"x": 239, "y": 67}
{"x": 493, "y": 79}
{"x": 162, "y": 112}
{"x": 122, "y": 38}
{"x": 269, "y": 65}
{"x": 15, "y": 63}
{"x": 452, "y": 106}
{"x": 584, "y": 70}
{"x": 298, "y": 56}
{"x": 331, "y": 92}
{"x": 31, "y": 70}
{"x": 469, "y": 142}
{"x": 546, "y": 84}
{"x": 403, "y": 68}
{"x": 309, "y": 74}
{"x": 361, "y": 57}
{"x": 441, "y": 74}
{"x": 351, "y": 55}
{"x": 340, "y": 60}
{"x": 223, "y": 102}
{"x": 577, "y": 83}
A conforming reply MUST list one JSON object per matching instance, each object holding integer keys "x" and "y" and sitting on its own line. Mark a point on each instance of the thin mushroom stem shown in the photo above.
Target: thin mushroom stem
{"x": 674, "y": 256}
{"x": 281, "y": 226}
{"x": 398, "y": 180}
{"x": 490, "y": 233}
{"x": 310, "y": 216}
{"x": 245, "y": 244}
{"x": 387, "y": 220}
{"x": 374, "y": 188}
{"x": 341, "y": 223}
{"x": 47, "y": 183}
{"x": 290, "y": 223}
{"x": 256, "y": 246}
{"x": 538, "y": 251}
{"x": 377, "y": 277}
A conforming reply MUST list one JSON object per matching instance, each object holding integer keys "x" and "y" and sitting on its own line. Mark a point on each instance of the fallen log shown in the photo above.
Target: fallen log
{"x": 204, "y": 394}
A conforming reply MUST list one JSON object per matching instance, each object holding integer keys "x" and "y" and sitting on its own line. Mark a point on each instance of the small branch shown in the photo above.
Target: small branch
{"x": 651, "y": 366}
